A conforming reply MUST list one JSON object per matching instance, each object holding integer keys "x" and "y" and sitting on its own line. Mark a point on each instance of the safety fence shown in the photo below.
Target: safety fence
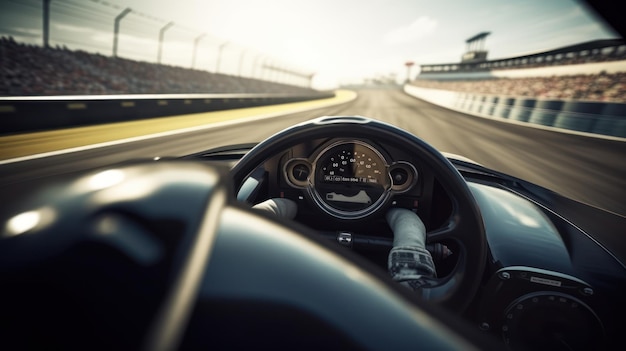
{"x": 595, "y": 118}
{"x": 26, "y": 114}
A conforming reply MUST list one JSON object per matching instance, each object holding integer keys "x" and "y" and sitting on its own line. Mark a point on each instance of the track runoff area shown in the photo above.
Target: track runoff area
{"x": 28, "y": 146}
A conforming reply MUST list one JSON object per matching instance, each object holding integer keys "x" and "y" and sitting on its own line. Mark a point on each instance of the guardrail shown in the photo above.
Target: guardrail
{"x": 594, "y": 118}
{"x": 27, "y": 114}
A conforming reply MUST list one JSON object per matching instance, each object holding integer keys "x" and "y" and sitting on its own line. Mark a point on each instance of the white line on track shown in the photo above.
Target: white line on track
{"x": 168, "y": 133}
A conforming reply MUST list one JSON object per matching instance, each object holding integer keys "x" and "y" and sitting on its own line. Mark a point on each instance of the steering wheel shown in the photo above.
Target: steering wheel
{"x": 464, "y": 226}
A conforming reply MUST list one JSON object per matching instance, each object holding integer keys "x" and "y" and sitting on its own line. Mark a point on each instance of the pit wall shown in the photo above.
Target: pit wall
{"x": 28, "y": 114}
{"x": 600, "y": 119}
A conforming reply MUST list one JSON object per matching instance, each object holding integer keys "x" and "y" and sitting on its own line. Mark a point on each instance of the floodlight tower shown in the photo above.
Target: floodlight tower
{"x": 219, "y": 56}
{"x": 46, "y": 23}
{"x": 255, "y": 65}
{"x": 475, "y": 50}
{"x": 408, "y": 65}
{"x": 161, "y": 34}
{"x": 116, "y": 28}
{"x": 265, "y": 72}
{"x": 195, "y": 49}
{"x": 241, "y": 59}
{"x": 310, "y": 80}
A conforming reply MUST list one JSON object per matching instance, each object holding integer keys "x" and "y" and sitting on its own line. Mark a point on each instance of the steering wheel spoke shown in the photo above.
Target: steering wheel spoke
{"x": 441, "y": 234}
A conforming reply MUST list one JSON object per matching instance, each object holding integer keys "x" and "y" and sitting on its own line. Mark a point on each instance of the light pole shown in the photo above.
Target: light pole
{"x": 195, "y": 49}
{"x": 271, "y": 74}
{"x": 284, "y": 75}
{"x": 46, "y": 23}
{"x": 116, "y": 28}
{"x": 271, "y": 71}
{"x": 265, "y": 71}
{"x": 161, "y": 34}
{"x": 219, "y": 56}
{"x": 408, "y": 65}
{"x": 243, "y": 54}
{"x": 281, "y": 74}
{"x": 277, "y": 75}
{"x": 254, "y": 65}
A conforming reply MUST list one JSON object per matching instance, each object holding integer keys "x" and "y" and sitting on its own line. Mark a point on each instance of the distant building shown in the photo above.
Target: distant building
{"x": 474, "y": 62}
{"x": 475, "y": 49}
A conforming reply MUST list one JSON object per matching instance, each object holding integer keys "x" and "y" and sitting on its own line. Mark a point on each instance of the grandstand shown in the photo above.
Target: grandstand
{"x": 590, "y": 71}
{"x": 580, "y": 88}
{"x": 476, "y": 60}
{"x": 30, "y": 70}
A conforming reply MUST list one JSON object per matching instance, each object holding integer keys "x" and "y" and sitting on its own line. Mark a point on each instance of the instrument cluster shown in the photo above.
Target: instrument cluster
{"x": 350, "y": 179}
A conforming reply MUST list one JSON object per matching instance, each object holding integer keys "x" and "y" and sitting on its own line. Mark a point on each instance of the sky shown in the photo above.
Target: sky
{"x": 340, "y": 41}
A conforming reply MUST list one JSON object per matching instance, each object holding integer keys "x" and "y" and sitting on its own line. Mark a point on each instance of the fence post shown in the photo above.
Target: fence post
{"x": 116, "y": 28}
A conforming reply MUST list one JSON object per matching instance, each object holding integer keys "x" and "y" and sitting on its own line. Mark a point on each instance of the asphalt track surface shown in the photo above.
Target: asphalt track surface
{"x": 589, "y": 170}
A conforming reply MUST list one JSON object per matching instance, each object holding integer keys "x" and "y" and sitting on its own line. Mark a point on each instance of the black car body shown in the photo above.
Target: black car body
{"x": 160, "y": 254}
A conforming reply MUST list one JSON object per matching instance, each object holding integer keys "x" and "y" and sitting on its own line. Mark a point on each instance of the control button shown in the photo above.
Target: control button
{"x": 345, "y": 239}
{"x": 399, "y": 176}
{"x": 300, "y": 172}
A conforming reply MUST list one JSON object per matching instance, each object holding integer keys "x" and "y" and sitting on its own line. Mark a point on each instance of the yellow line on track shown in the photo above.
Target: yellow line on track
{"x": 19, "y": 145}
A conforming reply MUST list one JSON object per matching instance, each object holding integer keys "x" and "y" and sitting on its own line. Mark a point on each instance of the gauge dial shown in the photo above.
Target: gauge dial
{"x": 347, "y": 165}
{"x": 551, "y": 321}
{"x": 351, "y": 179}
{"x": 297, "y": 172}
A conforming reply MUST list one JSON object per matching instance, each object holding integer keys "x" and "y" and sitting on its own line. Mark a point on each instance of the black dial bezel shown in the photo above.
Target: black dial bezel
{"x": 375, "y": 205}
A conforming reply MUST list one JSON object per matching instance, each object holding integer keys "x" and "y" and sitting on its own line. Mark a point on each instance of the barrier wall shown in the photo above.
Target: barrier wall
{"x": 25, "y": 114}
{"x": 600, "y": 118}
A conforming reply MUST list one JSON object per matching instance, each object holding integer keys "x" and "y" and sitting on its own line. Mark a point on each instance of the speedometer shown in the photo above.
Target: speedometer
{"x": 351, "y": 179}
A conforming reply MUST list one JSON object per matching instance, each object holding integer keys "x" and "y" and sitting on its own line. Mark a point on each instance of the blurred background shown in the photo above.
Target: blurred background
{"x": 554, "y": 71}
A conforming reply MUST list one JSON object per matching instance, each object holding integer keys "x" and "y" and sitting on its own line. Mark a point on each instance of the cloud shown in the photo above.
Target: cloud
{"x": 23, "y": 34}
{"x": 421, "y": 27}
{"x": 72, "y": 28}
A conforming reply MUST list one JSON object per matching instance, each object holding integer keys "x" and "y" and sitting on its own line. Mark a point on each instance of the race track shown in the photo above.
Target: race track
{"x": 587, "y": 169}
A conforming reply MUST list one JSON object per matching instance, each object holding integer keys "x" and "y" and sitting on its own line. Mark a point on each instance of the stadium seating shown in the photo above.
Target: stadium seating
{"x": 29, "y": 70}
{"x": 606, "y": 87}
